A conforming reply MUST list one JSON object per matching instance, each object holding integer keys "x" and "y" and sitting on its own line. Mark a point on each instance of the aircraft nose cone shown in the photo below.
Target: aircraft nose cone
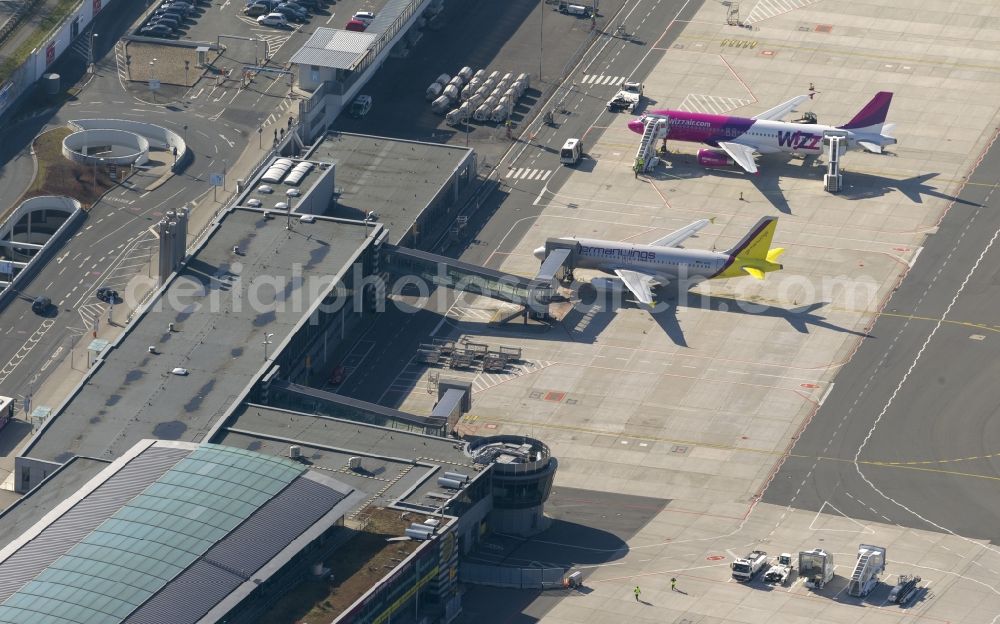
{"x": 635, "y": 126}
{"x": 539, "y": 253}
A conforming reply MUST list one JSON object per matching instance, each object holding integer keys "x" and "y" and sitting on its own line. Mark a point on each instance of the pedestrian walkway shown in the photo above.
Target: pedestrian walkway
{"x": 698, "y": 103}
{"x": 528, "y": 174}
{"x": 601, "y": 79}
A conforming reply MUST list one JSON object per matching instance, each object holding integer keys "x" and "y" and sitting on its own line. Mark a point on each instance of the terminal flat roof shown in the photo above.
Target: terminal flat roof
{"x": 168, "y": 532}
{"x": 217, "y": 338}
{"x": 334, "y": 48}
{"x": 393, "y": 177}
{"x": 387, "y": 455}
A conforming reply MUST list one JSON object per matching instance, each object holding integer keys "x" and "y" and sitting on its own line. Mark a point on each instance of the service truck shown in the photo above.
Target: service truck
{"x": 745, "y": 569}
{"x": 627, "y": 98}
{"x": 780, "y": 570}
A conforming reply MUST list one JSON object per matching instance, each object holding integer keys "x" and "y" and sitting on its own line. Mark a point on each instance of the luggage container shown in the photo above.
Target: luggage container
{"x": 500, "y": 113}
{"x": 451, "y": 92}
{"x": 443, "y": 80}
{"x": 494, "y": 75}
{"x": 433, "y": 91}
{"x": 457, "y": 81}
{"x": 482, "y": 113}
{"x": 526, "y": 79}
{"x": 454, "y": 118}
{"x": 441, "y": 105}
{"x": 466, "y": 73}
{"x": 475, "y": 101}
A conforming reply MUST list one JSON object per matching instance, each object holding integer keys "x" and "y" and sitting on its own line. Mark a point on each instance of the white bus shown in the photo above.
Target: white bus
{"x": 6, "y": 410}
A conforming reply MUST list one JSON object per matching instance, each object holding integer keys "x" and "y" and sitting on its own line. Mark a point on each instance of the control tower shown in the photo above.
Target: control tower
{"x": 520, "y": 481}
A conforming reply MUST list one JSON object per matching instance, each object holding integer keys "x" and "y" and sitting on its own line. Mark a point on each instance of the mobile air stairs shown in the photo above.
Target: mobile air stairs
{"x": 836, "y": 144}
{"x": 870, "y": 564}
{"x": 654, "y": 128}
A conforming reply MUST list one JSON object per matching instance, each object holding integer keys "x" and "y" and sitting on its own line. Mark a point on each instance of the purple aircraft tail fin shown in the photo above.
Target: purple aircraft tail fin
{"x": 873, "y": 114}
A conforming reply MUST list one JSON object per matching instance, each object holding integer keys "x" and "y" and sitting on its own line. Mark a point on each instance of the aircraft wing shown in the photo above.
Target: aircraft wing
{"x": 781, "y": 110}
{"x": 868, "y": 146}
{"x": 639, "y": 283}
{"x": 742, "y": 155}
{"x": 676, "y": 238}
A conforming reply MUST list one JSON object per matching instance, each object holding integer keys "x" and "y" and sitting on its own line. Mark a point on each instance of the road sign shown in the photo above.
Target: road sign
{"x": 216, "y": 179}
{"x": 6, "y": 267}
{"x": 154, "y": 84}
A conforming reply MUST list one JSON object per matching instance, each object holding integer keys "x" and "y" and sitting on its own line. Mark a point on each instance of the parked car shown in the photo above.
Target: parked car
{"x": 173, "y": 21}
{"x": 179, "y": 5}
{"x": 356, "y": 26}
{"x": 309, "y": 4}
{"x": 295, "y": 4}
{"x": 41, "y": 305}
{"x": 156, "y": 30}
{"x": 178, "y": 11}
{"x": 256, "y": 10}
{"x": 365, "y": 16}
{"x": 110, "y": 295}
{"x": 290, "y": 13}
{"x": 360, "y": 106}
{"x": 273, "y": 19}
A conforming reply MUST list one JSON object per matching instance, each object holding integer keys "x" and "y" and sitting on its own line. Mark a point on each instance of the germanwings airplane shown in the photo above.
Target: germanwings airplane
{"x": 736, "y": 139}
{"x": 641, "y": 267}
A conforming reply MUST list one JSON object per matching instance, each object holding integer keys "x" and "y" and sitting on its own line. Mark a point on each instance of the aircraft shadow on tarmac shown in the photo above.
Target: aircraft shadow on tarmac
{"x": 774, "y": 167}
{"x": 588, "y": 319}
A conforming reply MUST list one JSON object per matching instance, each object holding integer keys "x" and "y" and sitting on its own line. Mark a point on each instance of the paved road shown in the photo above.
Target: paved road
{"x": 503, "y": 221}
{"x": 920, "y": 394}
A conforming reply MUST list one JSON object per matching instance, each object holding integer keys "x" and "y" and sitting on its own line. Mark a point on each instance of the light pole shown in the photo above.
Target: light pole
{"x": 152, "y": 78}
{"x": 267, "y": 341}
{"x": 288, "y": 213}
{"x": 225, "y": 166}
{"x": 290, "y": 194}
{"x": 541, "y": 25}
{"x": 187, "y": 64}
{"x": 93, "y": 42}
{"x": 260, "y": 143}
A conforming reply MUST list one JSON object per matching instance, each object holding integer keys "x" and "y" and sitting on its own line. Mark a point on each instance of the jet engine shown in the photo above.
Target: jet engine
{"x": 713, "y": 158}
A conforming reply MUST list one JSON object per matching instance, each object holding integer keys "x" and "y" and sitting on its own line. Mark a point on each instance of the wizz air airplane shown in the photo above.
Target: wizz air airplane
{"x": 737, "y": 139}
{"x": 642, "y": 267}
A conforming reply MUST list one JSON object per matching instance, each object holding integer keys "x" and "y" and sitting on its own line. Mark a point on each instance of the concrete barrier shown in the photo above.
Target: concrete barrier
{"x": 46, "y": 202}
{"x": 135, "y": 147}
{"x": 157, "y": 136}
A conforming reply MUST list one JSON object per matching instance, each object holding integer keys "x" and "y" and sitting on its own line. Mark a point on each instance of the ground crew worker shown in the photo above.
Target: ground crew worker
{"x": 636, "y": 592}
{"x": 673, "y": 584}
{"x": 635, "y": 169}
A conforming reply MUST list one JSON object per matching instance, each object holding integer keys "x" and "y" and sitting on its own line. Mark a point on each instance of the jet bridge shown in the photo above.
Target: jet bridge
{"x": 560, "y": 260}
{"x": 534, "y": 294}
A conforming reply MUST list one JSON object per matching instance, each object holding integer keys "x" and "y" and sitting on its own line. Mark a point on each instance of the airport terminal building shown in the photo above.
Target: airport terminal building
{"x": 198, "y": 450}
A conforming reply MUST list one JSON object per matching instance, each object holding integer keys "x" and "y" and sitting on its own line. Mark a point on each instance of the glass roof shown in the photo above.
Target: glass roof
{"x": 146, "y": 543}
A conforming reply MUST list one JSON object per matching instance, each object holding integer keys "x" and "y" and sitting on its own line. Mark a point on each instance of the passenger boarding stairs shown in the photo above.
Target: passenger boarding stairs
{"x": 871, "y": 563}
{"x": 655, "y": 128}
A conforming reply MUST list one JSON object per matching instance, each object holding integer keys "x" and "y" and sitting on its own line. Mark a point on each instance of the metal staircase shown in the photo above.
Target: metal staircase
{"x": 655, "y": 128}
{"x": 871, "y": 563}
{"x": 836, "y": 144}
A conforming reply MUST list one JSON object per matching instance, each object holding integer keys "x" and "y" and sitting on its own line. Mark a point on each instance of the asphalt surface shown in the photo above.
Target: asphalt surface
{"x": 386, "y": 348}
{"x": 909, "y": 433}
{"x": 114, "y": 242}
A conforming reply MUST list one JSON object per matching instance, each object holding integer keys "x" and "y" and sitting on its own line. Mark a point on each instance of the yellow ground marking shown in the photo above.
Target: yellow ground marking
{"x": 729, "y": 447}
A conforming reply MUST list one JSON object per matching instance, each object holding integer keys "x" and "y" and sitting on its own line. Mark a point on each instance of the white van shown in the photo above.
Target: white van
{"x": 571, "y": 151}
